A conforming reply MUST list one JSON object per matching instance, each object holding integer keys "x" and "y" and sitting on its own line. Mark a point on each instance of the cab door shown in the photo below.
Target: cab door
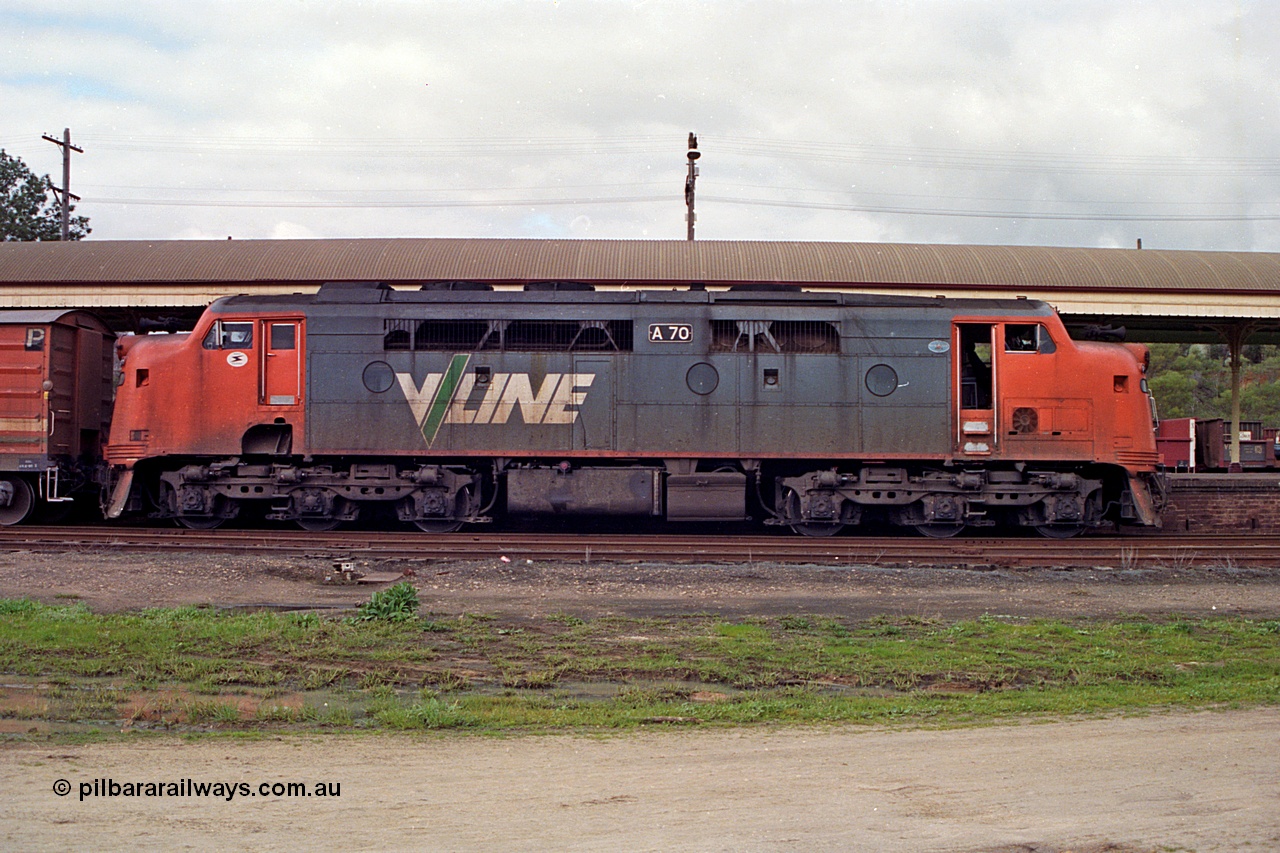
{"x": 975, "y": 380}
{"x": 281, "y": 383}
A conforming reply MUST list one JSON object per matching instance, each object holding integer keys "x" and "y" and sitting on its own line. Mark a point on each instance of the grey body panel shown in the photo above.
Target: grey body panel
{"x": 644, "y": 401}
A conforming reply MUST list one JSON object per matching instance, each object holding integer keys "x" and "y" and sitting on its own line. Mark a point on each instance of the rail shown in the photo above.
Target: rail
{"x": 1117, "y": 552}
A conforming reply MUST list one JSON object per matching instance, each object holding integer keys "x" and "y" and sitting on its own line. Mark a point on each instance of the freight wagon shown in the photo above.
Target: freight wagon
{"x": 55, "y": 407}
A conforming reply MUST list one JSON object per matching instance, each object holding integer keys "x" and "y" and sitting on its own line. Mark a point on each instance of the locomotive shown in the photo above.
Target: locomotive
{"x": 459, "y": 403}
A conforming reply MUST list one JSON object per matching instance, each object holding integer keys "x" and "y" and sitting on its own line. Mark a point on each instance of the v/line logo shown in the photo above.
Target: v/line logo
{"x": 453, "y": 397}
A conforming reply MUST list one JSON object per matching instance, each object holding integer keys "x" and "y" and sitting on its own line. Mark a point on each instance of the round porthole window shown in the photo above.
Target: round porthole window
{"x": 882, "y": 380}
{"x": 378, "y": 376}
{"x": 702, "y": 378}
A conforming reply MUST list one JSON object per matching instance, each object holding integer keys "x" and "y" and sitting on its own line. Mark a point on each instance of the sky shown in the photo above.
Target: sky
{"x": 1079, "y": 123}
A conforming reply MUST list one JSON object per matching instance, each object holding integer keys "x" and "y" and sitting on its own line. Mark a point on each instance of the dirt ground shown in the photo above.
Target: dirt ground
{"x": 113, "y": 580}
{"x": 1205, "y": 781}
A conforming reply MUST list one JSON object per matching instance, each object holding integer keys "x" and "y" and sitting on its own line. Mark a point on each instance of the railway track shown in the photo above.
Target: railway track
{"x": 1176, "y": 551}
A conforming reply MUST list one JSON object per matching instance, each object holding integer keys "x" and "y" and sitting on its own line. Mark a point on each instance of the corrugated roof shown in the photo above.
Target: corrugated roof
{"x": 653, "y": 262}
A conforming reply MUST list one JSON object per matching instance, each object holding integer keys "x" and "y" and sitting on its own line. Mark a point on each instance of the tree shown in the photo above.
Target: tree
{"x": 29, "y": 209}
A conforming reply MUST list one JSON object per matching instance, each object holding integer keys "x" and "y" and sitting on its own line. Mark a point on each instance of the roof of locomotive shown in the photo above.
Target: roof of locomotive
{"x": 344, "y": 296}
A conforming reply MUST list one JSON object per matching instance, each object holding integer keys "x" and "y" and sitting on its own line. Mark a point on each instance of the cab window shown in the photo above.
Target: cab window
{"x": 229, "y": 335}
{"x": 1027, "y": 337}
{"x": 283, "y": 335}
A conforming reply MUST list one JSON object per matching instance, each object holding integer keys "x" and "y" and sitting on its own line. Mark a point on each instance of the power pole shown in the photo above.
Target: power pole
{"x": 693, "y": 155}
{"x": 64, "y": 192}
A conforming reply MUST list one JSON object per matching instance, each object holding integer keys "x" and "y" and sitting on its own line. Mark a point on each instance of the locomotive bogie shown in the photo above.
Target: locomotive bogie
{"x": 941, "y": 499}
{"x": 317, "y": 496}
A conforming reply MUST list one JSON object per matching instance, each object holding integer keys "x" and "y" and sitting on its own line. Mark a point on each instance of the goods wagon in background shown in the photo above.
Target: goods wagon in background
{"x": 55, "y": 407}
{"x": 1204, "y": 444}
{"x": 458, "y": 404}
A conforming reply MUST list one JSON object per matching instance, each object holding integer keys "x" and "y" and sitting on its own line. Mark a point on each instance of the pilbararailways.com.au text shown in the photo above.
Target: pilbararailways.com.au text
{"x": 191, "y": 788}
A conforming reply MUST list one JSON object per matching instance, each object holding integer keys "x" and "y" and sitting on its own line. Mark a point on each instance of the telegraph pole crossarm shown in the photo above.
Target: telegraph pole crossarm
{"x": 64, "y": 194}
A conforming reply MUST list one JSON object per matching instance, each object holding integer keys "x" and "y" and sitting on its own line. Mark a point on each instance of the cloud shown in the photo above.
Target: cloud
{"x": 1084, "y": 123}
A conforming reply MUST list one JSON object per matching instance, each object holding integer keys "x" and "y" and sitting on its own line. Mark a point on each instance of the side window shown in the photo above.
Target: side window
{"x": 237, "y": 335}
{"x": 1019, "y": 338}
{"x": 229, "y": 335}
{"x": 282, "y": 336}
{"x": 1027, "y": 337}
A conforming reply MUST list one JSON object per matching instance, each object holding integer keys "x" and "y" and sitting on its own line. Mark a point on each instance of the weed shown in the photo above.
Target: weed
{"x": 376, "y": 679}
{"x": 315, "y": 679}
{"x": 93, "y": 704}
{"x": 1180, "y": 559}
{"x": 832, "y": 627}
{"x": 12, "y": 606}
{"x": 334, "y": 715}
{"x": 532, "y": 680}
{"x": 741, "y": 631}
{"x": 427, "y": 714}
{"x": 223, "y": 713}
{"x": 1224, "y": 564}
{"x": 447, "y": 681}
{"x": 259, "y": 675}
{"x": 398, "y": 603}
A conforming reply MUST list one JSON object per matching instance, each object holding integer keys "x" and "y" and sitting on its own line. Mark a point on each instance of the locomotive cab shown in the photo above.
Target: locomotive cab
{"x": 232, "y": 388}
{"x": 1026, "y": 392}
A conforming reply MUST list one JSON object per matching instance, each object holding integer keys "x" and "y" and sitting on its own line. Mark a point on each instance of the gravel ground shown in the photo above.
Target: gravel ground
{"x": 116, "y": 580}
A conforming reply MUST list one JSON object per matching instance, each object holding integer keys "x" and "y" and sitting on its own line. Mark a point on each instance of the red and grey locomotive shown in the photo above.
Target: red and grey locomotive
{"x": 457, "y": 403}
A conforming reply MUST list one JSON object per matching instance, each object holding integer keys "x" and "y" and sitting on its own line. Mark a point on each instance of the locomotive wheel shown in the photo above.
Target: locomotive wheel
{"x": 809, "y": 528}
{"x": 461, "y": 506}
{"x": 20, "y": 507}
{"x": 1059, "y": 531}
{"x": 939, "y": 531}
{"x": 817, "y": 530}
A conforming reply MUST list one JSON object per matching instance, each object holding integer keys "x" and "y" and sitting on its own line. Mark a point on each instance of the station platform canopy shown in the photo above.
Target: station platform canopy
{"x": 1160, "y": 295}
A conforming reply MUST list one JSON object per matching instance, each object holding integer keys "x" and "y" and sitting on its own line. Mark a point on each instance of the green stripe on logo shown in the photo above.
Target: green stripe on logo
{"x": 444, "y": 396}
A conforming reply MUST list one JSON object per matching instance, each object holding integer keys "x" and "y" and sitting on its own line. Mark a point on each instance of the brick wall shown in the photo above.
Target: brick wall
{"x": 1228, "y": 503}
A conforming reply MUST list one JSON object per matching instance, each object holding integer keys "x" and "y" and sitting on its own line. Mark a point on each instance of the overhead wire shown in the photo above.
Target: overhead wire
{"x": 993, "y": 214}
{"x": 865, "y": 154}
{"x": 362, "y": 205}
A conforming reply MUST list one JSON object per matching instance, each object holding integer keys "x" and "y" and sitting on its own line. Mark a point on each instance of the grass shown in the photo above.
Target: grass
{"x": 200, "y": 669}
